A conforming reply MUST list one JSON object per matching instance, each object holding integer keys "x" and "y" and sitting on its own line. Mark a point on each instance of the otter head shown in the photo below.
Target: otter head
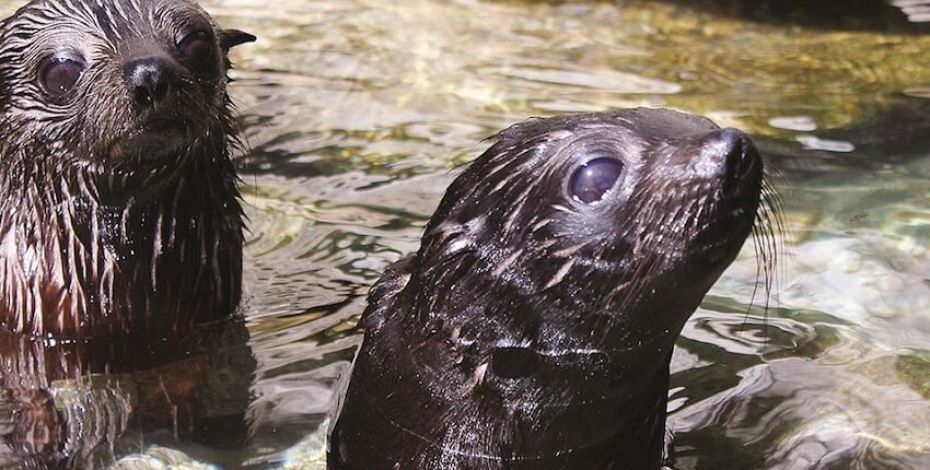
{"x": 597, "y": 233}
{"x": 104, "y": 82}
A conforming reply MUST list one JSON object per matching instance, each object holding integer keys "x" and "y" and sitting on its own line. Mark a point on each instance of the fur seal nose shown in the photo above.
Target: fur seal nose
{"x": 150, "y": 80}
{"x": 729, "y": 151}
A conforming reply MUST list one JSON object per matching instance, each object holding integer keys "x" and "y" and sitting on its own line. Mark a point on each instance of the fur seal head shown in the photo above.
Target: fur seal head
{"x": 534, "y": 327}
{"x": 590, "y": 219}
{"x": 115, "y": 138}
{"x": 115, "y": 80}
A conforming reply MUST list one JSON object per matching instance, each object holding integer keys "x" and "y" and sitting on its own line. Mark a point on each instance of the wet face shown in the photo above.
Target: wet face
{"x": 596, "y": 216}
{"x": 115, "y": 81}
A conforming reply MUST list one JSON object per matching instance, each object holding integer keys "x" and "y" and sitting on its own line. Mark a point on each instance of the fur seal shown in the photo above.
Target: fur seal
{"x": 120, "y": 213}
{"x": 533, "y": 329}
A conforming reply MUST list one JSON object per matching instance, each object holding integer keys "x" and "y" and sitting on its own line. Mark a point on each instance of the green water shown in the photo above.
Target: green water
{"x": 358, "y": 111}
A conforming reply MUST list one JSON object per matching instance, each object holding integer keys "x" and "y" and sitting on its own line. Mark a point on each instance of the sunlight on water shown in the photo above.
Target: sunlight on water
{"x": 357, "y": 113}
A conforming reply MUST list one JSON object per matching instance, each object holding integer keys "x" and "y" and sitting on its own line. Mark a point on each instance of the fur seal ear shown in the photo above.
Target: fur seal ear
{"x": 230, "y": 38}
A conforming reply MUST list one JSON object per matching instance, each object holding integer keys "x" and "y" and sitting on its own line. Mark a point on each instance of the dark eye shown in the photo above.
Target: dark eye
{"x": 592, "y": 181}
{"x": 59, "y": 75}
{"x": 198, "y": 47}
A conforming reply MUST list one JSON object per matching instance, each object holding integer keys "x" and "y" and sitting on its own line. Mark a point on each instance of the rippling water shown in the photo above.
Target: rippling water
{"x": 357, "y": 113}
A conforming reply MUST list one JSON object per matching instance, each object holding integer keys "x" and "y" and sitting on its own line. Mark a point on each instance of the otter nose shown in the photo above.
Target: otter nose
{"x": 150, "y": 80}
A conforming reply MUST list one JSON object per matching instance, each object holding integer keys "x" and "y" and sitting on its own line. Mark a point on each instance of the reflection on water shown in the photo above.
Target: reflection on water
{"x": 357, "y": 112}
{"x": 83, "y": 405}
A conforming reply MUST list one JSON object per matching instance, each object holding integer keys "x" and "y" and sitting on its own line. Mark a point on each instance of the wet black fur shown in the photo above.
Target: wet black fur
{"x": 532, "y": 331}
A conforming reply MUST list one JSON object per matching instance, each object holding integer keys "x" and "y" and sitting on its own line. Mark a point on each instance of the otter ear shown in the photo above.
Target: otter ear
{"x": 230, "y": 38}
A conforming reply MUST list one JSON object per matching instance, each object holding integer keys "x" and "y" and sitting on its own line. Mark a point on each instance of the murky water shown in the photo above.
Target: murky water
{"x": 357, "y": 113}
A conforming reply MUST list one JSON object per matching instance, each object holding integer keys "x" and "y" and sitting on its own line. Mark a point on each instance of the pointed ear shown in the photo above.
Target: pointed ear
{"x": 230, "y": 38}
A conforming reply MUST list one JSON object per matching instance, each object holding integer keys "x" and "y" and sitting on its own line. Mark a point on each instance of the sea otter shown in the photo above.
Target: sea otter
{"x": 120, "y": 212}
{"x": 534, "y": 327}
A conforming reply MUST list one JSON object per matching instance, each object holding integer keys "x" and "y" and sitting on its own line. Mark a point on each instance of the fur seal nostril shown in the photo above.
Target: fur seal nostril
{"x": 734, "y": 145}
{"x": 120, "y": 211}
{"x": 533, "y": 329}
{"x": 150, "y": 79}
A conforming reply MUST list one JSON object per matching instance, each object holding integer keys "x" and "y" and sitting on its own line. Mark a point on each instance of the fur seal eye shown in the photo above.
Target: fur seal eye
{"x": 594, "y": 179}
{"x": 197, "y": 46}
{"x": 59, "y": 75}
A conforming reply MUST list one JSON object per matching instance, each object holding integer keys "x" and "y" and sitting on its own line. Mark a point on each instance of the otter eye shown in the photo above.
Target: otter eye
{"x": 197, "y": 46}
{"x": 59, "y": 75}
{"x": 592, "y": 181}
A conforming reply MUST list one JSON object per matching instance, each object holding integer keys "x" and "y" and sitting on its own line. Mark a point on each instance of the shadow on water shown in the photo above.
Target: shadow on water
{"x": 849, "y": 15}
{"x": 83, "y": 405}
{"x": 896, "y": 134}
{"x": 877, "y": 15}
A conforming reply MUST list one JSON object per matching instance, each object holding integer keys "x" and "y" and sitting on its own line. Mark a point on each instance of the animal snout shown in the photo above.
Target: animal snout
{"x": 150, "y": 79}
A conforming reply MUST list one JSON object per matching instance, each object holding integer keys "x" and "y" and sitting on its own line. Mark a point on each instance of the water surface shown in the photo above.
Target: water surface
{"x": 357, "y": 113}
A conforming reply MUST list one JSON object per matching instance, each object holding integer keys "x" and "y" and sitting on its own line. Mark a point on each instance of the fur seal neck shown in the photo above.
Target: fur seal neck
{"x": 122, "y": 213}
{"x": 534, "y": 327}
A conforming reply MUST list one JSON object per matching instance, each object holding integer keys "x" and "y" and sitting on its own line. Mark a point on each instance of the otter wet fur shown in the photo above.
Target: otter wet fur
{"x": 535, "y": 325}
{"x": 120, "y": 213}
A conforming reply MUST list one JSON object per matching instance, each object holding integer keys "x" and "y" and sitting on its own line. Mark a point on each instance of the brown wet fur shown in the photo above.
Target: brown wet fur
{"x": 121, "y": 213}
